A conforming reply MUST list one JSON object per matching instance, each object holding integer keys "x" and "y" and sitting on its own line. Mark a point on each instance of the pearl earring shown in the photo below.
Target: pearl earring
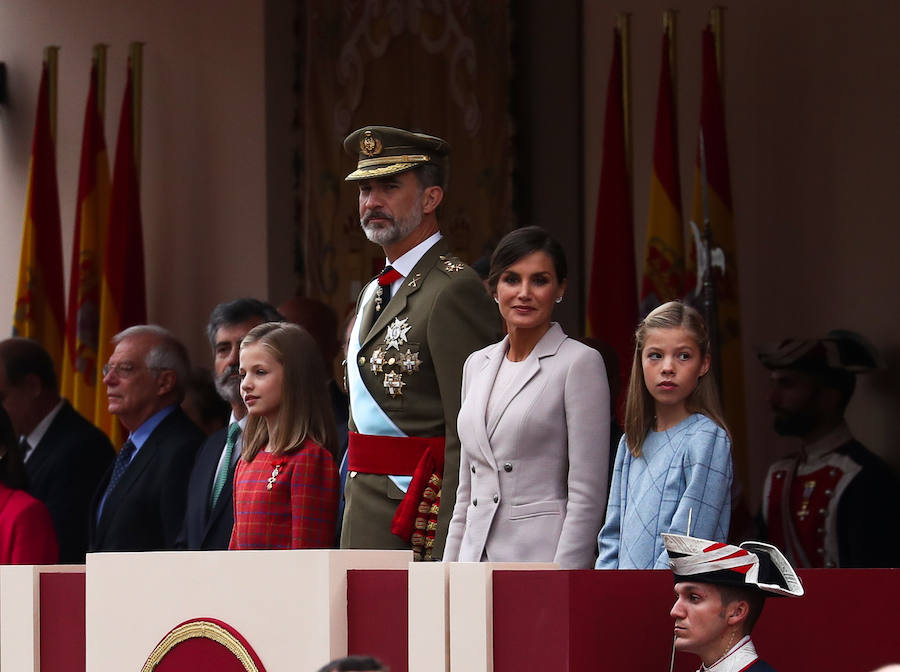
{"x": 559, "y": 299}
{"x": 496, "y": 300}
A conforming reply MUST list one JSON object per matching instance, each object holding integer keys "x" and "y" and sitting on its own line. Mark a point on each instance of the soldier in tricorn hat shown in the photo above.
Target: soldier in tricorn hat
{"x": 720, "y": 591}
{"x": 826, "y": 504}
{"x": 415, "y": 325}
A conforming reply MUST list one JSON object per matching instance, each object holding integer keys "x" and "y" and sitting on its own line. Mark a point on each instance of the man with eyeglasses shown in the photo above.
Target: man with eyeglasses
{"x": 65, "y": 455}
{"x": 140, "y": 503}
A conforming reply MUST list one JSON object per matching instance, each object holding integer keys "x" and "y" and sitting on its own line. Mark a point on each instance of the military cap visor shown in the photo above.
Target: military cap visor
{"x": 382, "y": 151}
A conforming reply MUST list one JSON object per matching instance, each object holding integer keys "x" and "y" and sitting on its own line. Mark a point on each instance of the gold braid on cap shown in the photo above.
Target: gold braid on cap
{"x": 386, "y": 160}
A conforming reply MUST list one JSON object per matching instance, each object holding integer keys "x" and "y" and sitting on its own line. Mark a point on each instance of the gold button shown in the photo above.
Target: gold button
{"x": 352, "y": 474}
{"x": 362, "y": 360}
{"x": 391, "y": 361}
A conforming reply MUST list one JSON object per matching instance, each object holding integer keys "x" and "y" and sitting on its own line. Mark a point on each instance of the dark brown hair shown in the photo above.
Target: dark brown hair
{"x": 518, "y": 244}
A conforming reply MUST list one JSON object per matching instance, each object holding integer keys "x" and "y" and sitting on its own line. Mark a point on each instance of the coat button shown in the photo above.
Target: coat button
{"x": 362, "y": 361}
{"x": 475, "y": 502}
{"x": 496, "y": 498}
{"x": 473, "y": 468}
{"x": 352, "y": 474}
{"x": 507, "y": 467}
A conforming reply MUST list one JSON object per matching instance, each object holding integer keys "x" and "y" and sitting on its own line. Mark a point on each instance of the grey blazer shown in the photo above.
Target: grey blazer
{"x": 533, "y": 485}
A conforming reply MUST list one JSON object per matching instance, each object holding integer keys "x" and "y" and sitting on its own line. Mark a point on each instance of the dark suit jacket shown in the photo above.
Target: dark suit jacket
{"x": 146, "y": 509}
{"x": 204, "y": 530}
{"x": 63, "y": 472}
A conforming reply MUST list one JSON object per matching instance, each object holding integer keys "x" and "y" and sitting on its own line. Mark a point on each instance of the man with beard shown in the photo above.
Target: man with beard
{"x": 416, "y": 324}
{"x": 827, "y": 504}
{"x": 209, "y": 517}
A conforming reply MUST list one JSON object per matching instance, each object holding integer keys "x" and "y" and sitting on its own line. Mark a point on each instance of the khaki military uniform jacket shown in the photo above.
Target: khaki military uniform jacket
{"x": 410, "y": 361}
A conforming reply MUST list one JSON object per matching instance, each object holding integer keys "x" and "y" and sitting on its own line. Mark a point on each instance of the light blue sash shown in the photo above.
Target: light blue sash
{"x": 368, "y": 416}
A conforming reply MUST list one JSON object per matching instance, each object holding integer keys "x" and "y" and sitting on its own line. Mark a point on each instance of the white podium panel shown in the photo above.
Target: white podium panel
{"x": 471, "y": 612}
{"x": 20, "y": 614}
{"x": 290, "y": 606}
{"x": 428, "y": 631}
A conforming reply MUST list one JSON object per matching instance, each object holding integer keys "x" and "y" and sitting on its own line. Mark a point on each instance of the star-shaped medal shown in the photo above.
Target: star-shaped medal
{"x": 396, "y": 333}
{"x": 409, "y": 361}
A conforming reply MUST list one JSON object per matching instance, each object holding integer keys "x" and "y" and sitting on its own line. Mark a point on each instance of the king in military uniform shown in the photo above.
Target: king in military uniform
{"x": 415, "y": 325}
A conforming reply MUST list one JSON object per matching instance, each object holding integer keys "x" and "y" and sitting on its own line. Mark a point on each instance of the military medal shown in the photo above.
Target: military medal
{"x": 393, "y": 383}
{"x": 808, "y": 488}
{"x": 396, "y": 333}
{"x": 379, "y": 293}
{"x": 393, "y": 366}
{"x": 409, "y": 361}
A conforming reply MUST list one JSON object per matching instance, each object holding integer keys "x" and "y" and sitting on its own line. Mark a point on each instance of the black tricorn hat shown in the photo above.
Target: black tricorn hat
{"x": 839, "y": 350}
{"x": 752, "y": 565}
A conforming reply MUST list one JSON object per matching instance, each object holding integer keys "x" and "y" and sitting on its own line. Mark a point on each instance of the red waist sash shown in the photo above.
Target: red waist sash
{"x": 416, "y": 456}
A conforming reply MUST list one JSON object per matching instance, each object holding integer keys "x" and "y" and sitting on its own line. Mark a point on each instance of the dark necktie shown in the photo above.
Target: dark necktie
{"x": 123, "y": 459}
{"x": 385, "y": 279}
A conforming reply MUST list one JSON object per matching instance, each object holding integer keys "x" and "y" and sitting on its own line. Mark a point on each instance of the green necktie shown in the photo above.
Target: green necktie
{"x": 234, "y": 429}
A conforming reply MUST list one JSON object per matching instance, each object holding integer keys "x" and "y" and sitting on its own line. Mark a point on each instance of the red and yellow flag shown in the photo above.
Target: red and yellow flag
{"x": 122, "y": 295}
{"x": 39, "y": 312}
{"x": 80, "y": 380}
{"x": 612, "y": 296}
{"x": 724, "y": 252}
{"x": 664, "y": 261}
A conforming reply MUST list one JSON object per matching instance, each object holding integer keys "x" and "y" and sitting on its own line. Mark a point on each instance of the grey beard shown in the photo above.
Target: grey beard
{"x": 398, "y": 229}
{"x": 228, "y": 389}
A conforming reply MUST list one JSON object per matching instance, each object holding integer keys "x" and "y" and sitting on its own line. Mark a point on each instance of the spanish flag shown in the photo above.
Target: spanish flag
{"x": 80, "y": 380}
{"x": 39, "y": 312}
{"x": 612, "y": 296}
{"x": 122, "y": 296}
{"x": 724, "y": 247}
{"x": 664, "y": 261}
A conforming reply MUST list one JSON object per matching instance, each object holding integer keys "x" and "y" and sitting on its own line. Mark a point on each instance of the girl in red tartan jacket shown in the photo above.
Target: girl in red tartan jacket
{"x": 286, "y": 482}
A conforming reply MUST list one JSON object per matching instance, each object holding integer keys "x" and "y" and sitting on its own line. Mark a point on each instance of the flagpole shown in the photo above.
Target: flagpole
{"x": 136, "y": 57}
{"x": 100, "y": 63}
{"x": 717, "y": 25}
{"x": 669, "y": 25}
{"x": 51, "y": 58}
{"x": 623, "y": 25}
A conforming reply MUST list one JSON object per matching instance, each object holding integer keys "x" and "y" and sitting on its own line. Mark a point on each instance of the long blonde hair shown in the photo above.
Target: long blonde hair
{"x": 305, "y": 410}
{"x": 640, "y": 407}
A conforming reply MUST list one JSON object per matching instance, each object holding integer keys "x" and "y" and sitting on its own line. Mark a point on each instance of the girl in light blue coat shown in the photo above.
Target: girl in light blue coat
{"x": 673, "y": 463}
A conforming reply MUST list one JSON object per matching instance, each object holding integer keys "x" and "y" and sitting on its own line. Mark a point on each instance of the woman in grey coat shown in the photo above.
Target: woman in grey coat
{"x": 534, "y": 424}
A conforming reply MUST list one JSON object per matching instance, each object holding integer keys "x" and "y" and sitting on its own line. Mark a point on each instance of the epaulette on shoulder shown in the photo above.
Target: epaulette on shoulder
{"x": 450, "y": 264}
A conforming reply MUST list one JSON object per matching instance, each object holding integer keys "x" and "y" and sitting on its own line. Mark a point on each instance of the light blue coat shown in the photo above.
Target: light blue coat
{"x": 686, "y": 468}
